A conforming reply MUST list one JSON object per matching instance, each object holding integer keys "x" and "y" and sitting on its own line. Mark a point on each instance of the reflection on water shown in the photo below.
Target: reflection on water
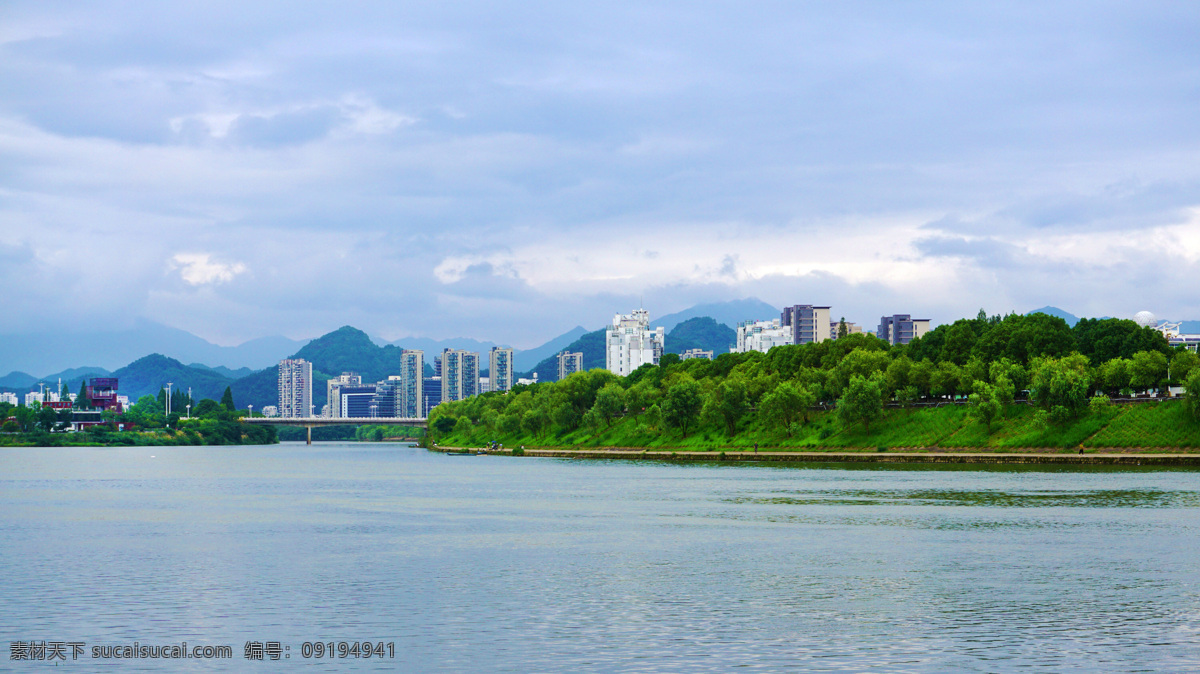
{"x": 501, "y": 564}
{"x": 1102, "y": 498}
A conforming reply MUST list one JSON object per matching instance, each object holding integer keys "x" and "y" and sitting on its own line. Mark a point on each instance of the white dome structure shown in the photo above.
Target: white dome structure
{"x": 1145, "y": 319}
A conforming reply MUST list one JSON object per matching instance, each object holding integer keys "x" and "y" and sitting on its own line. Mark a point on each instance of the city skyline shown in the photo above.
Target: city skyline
{"x": 510, "y": 172}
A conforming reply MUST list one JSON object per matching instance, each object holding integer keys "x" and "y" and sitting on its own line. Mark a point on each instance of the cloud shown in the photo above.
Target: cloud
{"x": 504, "y": 172}
{"x": 198, "y": 269}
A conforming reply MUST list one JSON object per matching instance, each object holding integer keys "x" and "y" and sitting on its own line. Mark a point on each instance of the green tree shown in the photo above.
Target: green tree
{"x": 681, "y": 405}
{"x": 535, "y": 421}
{"x": 784, "y": 405}
{"x": 985, "y": 404}
{"x": 47, "y": 418}
{"x": 610, "y": 401}
{"x": 1182, "y": 364}
{"x": 1115, "y": 375}
{"x": 227, "y": 400}
{"x": 81, "y": 399}
{"x": 1191, "y": 395}
{"x": 862, "y": 401}
{"x": 1147, "y": 370}
{"x": 728, "y": 403}
{"x": 842, "y": 330}
{"x": 1061, "y": 383}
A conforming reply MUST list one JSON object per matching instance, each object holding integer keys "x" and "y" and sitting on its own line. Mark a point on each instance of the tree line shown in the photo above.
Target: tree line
{"x": 988, "y": 362}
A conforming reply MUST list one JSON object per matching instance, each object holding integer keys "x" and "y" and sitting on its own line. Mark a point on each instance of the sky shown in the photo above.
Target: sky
{"x": 506, "y": 171}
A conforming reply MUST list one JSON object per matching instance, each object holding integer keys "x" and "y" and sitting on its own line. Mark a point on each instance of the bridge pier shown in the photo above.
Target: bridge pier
{"x": 309, "y": 434}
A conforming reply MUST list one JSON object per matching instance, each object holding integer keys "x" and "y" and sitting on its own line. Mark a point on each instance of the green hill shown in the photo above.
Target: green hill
{"x": 145, "y": 376}
{"x": 701, "y": 332}
{"x": 590, "y": 344}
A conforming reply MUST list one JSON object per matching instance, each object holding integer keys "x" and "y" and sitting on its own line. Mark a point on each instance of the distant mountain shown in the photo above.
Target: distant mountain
{"x": 55, "y": 350}
{"x": 529, "y": 358}
{"x": 701, "y": 332}
{"x": 591, "y": 344}
{"x": 77, "y": 373}
{"x": 224, "y": 371}
{"x": 145, "y": 376}
{"x": 434, "y": 347}
{"x": 729, "y": 313}
{"x": 346, "y": 349}
{"x": 14, "y": 381}
{"x": 1070, "y": 318}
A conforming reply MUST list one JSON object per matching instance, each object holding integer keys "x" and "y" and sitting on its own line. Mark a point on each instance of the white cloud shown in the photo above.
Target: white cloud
{"x": 199, "y": 269}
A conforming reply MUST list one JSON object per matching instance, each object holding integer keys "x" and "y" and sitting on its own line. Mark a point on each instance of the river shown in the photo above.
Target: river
{"x": 488, "y": 563}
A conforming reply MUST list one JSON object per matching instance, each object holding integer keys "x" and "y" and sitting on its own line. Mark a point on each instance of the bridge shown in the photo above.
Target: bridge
{"x": 313, "y": 422}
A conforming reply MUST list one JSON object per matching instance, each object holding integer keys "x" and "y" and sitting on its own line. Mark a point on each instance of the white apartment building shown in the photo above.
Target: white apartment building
{"x": 630, "y": 343}
{"x": 569, "y": 363}
{"x": 34, "y": 398}
{"x": 762, "y": 335}
{"x": 460, "y": 374}
{"x": 696, "y": 353}
{"x": 9, "y": 397}
{"x": 295, "y": 388}
{"x": 500, "y": 369}
{"x": 270, "y": 411}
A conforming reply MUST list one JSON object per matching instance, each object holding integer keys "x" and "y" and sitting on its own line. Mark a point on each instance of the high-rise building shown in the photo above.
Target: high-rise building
{"x": 808, "y": 323}
{"x": 762, "y": 336}
{"x": 901, "y": 328}
{"x": 359, "y": 402}
{"x": 333, "y": 390}
{"x": 569, "y": 363}
{"x": 8, "y": 397}
{"x": 295, "y": 388}
{"x": 630, "y": 343}
{"x": 460, "y": 374}
{"x": 410, "y": 401}
{"x": 431, "y": 394}
{"x": 500, "y": 368}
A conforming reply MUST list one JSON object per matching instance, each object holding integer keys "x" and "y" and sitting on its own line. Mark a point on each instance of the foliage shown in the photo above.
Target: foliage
{"x": 862, "y": 401}
{"x": 1191, "y": 394}
{"x": 1061, "y": 383}
{"x": 227, "y": 400}
{"x": 682, "y": 404}
{"x": 986, "y": 404}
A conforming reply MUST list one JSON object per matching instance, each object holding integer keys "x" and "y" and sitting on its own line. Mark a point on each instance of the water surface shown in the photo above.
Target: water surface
{"x": 473, "y": 563}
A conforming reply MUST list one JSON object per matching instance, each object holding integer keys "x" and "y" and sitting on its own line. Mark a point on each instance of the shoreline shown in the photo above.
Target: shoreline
{"x": 934, "y": 456}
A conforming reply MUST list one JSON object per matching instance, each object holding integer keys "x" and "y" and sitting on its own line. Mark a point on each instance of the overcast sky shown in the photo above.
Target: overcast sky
{"x": 506, "y": 172}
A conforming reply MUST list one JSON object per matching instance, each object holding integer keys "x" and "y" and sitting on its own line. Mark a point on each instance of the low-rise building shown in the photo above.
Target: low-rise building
{"x": 851, "y": 329}
{"x": 696, "y": 353}
{"x": 900, "y": 329}
{"x": 762, "y": 336}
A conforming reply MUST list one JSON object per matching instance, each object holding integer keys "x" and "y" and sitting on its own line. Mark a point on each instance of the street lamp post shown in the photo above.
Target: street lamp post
{"x": 251, "y": 411}
{"x": 189, "y": 410}
{"x": 168, "y": 398}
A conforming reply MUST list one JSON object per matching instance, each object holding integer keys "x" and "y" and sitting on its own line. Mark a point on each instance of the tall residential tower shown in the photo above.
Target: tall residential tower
{"x": 630, "y": 343}
{"x": 295, "y": 388}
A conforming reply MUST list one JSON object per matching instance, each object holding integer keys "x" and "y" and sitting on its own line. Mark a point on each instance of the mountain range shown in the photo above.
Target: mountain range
{"x": 350, "y": 349}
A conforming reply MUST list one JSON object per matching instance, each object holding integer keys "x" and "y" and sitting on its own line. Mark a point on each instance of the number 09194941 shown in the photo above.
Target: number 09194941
{"x": 348, "y": 649}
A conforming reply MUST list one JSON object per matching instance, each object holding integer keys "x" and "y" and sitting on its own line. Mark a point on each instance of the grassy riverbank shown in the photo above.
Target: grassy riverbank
{"x": 1157, "y": 426}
